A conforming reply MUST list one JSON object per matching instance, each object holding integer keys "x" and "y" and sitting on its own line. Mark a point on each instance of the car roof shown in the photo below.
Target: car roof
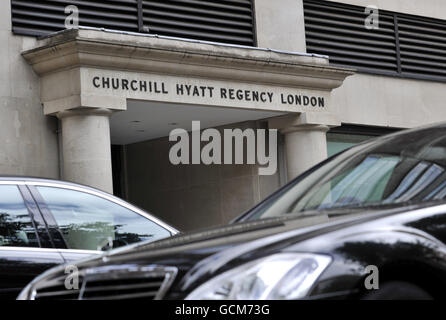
{"x": 16, "y": 178}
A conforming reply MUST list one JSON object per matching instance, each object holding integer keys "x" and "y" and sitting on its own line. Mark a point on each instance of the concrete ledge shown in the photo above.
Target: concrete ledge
{"x": 303, "y": 120}
{"x": 162, "y": 55}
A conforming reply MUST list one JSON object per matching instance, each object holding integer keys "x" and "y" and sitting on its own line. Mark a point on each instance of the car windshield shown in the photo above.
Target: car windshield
{"x": 403, "y": 168}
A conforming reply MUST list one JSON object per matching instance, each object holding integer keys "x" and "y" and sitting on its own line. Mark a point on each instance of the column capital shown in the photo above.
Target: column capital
{"x": 84, "y": 112}
{"x": 305, "y": 127}
{"x": 307, "y": 121}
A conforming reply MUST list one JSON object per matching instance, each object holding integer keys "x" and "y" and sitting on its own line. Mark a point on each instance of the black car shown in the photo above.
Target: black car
{"x": 44, "y": 223}
{"x": 374, "y": 212}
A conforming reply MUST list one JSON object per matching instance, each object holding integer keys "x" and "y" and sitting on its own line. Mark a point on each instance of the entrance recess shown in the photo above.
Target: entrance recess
{"x": 151, "y": 120}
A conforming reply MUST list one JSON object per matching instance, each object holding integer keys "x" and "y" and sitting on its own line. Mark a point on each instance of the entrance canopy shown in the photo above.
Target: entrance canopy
{"x": 89, "y": 74}
{"x": 96, "y": 68}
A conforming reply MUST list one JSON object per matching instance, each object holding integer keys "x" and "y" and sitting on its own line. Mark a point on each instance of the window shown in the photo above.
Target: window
{"x": 16, "y": 227}
{"x": 346, "y": 136}
{"x": 92, "y": 223}
{"x": 362, "y": 184}
{"x": 393, "y": 171}
{"x": 337, "y": 142}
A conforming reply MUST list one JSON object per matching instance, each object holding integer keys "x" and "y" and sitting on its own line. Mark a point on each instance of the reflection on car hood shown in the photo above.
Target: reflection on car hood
{"x": 230, "y": 235}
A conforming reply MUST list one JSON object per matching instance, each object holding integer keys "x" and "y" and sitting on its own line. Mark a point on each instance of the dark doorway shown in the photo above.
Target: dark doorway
{"x": 118, "y": 170}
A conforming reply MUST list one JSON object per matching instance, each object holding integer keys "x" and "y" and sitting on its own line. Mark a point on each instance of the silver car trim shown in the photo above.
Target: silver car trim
{"x": 80, "y": 251}
{"x": 36, "y": 249}
{"x": 12, "y": 182}
{"x": 28, "y": 249}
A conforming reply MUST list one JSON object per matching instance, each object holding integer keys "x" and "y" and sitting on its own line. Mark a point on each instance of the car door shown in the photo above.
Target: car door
{"x": 25, "y": 247}
{"x": 90, "y": 222}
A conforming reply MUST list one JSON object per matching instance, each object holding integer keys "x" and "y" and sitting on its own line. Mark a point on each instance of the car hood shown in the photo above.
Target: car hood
{"x": 209, "y": 251}
{"x": 228, "y": 236}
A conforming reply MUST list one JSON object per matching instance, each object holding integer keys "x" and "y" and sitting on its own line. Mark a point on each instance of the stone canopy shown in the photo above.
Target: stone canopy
{"x": 87, "y": 74}
{"x": 102, "y": 69}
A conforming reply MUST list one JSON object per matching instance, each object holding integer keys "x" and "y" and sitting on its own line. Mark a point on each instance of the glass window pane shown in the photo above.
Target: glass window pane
{"x": 337, "y": 142}
{"x": 16, "y": 227}
{"x": 93, "y": 223}
{"x": 365, "y": 183}
{"x": 399, "y": 169}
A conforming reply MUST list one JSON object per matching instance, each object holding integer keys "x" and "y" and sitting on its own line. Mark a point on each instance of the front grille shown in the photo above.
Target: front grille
{"x": 112, "y": 283}
{"x": 56, "y": 291}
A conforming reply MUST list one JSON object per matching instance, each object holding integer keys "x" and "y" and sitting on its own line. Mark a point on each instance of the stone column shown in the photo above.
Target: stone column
{"x": 305, "y": 139}
{"x": 305, "y": 146}
{"x": 86, "y": 147}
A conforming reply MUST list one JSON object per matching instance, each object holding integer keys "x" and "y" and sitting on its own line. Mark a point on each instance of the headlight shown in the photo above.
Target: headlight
{"x": 284, "y": 276}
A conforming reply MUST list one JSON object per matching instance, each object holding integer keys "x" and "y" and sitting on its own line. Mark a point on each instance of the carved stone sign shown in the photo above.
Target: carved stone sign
{"x": 167, "y": 88}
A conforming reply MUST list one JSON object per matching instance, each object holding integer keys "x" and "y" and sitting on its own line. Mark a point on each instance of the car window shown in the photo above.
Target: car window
{"x": 16, "y": 227}
{"x": 90, "y": 222}
{"x": 400, "y": 169}
{"x": 364, "y": 183}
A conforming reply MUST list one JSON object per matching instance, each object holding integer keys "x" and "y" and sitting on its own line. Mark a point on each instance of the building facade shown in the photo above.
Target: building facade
{"x": 95, "y": 103}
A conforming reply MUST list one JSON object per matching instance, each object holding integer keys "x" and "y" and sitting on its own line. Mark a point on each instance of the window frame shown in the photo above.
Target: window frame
{"x": 51, "y": 221}
{"x": 32, "y": 213}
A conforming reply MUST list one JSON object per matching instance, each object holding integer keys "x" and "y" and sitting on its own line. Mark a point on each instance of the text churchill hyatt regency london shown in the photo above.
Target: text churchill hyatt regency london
{"x": 202, "y": 91}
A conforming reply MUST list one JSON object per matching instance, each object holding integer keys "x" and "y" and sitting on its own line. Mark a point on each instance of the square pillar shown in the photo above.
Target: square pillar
{"x": 280, "y": 25}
